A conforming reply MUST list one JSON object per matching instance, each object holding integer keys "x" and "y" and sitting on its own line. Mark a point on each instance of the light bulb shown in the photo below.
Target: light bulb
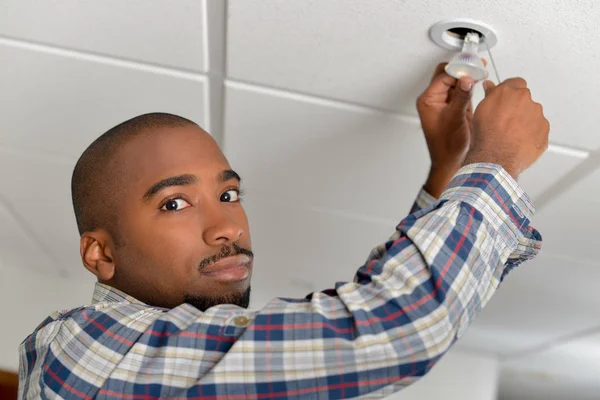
{"x": 467, "y": 62}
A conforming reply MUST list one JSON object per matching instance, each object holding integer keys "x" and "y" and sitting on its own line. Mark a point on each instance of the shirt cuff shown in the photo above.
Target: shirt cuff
{"x": 494, "y": 193}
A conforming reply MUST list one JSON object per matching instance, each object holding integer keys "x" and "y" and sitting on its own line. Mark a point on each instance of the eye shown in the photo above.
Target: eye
{"x": 231, "y": 196}
{"x": 175, "y": 205}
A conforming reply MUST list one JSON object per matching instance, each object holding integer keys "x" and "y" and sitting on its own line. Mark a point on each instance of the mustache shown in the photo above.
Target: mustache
{"x": 226, "y": 251}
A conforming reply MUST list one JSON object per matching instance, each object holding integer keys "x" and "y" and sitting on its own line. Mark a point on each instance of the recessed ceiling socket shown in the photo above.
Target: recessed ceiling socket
{"x": 450, "y": 34}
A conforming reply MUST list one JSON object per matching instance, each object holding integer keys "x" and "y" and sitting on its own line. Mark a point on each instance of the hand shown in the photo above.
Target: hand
{"x": 509, "y": 128}
{"x": 446, "y": 113}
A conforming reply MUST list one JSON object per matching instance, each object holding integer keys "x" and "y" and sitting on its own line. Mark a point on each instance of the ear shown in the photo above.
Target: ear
{"x": 96, "y": 254}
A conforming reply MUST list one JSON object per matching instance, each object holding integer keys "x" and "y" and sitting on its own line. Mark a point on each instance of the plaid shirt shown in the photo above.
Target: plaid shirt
{"x": 409, "y": 302}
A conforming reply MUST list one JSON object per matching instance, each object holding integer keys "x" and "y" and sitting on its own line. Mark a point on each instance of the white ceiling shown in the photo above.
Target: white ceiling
{"x": 313, "y": 102}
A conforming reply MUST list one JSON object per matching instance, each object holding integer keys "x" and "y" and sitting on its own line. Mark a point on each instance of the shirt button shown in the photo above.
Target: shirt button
{"x": 241, "y": 321}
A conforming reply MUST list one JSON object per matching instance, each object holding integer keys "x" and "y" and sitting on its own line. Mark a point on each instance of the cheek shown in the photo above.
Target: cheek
{"x": 168, "y": 246}
{"x": 176, "y": 243}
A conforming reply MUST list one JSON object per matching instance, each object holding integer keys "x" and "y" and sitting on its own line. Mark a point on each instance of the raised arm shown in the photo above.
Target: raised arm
{"x": 446, "y": 112}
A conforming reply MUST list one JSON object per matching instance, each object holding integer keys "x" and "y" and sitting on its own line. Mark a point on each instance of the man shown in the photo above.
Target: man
{"x": 162, "y": 228}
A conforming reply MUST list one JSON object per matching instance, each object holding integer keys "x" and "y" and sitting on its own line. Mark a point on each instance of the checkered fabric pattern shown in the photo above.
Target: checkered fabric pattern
{"x": 409, "y": 302}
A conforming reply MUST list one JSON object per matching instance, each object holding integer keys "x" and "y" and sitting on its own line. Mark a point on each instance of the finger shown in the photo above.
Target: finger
{"x": 484, "y": 61}
{"x": 461, "y": 95}
{"x": 441, "y": 84}
{"x": 469, "y": 114}
{"x": 488, "y": 87}
{"x": 466, "y": 84}
{"x": 441, "y": 68}
{"x": 462, "y": 85}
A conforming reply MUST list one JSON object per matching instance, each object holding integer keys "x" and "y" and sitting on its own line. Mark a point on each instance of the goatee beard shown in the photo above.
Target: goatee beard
{"x": 241, "y": 299}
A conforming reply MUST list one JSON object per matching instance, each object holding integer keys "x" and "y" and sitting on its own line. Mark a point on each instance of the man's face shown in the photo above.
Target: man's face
{"x": 183, "y": 234}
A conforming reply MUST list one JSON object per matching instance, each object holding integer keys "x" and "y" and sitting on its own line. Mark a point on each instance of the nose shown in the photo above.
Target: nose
{"x": 222, "y": 228}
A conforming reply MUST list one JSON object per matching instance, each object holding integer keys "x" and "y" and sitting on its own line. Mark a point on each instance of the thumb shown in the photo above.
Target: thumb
{"x": 488, "y": 87}
{"x": 462, "y": 93}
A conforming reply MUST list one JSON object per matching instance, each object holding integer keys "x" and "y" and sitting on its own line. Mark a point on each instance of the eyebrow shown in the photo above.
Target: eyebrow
{"x": 185, "y": 180}
{"x": 228, "y": 175}
{"x": 179, "y": 180}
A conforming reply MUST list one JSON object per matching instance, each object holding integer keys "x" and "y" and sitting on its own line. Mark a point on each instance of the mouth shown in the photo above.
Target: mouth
{"x": 229, "y": 269}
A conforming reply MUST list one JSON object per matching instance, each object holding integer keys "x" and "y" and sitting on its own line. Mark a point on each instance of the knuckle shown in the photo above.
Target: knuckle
{"x": 540, "y": 108}
{"x": 516, "y": 83}
{"x": 421, "y": 104}
{"x": 425, "y": 102}
{"x": 519, "y": 82}
{"x": 419, "y": 101}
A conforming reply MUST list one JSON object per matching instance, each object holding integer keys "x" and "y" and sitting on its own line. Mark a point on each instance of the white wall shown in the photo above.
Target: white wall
{"x": 28, "y": 298}
{"x": 457, "y": 376}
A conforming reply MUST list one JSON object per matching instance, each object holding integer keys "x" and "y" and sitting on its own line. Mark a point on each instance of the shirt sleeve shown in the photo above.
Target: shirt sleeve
{"x": 410, "y": 301}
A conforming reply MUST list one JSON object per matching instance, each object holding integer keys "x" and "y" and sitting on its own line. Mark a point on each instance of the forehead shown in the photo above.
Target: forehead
{"x": 167, "y": 152}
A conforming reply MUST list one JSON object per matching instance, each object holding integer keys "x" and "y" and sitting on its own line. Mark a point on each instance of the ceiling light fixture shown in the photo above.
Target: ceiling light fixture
{"x": 465, "y": 36}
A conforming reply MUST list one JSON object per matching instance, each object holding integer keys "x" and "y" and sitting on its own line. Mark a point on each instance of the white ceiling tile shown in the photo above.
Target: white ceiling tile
{"x": 324, "y": 154}
{"x": 379, "y": 53}
{"x": 554, "y": 164}
{"x": 216, "y": 16}
{"x": 41, "y": 195}
{"x": 154, "y": 31}
{"x": 59, "y": 104}
{"x": 537, "y": 303}
{"x": 569, "y": 222}
{"x": 568, "y": 370}
{"x": 520, "y": 385}
{"x": 18, "y": 248}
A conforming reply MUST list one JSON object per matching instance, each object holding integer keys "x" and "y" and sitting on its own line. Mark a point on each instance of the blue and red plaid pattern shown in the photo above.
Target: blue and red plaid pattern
{"x": 410, "y": 301}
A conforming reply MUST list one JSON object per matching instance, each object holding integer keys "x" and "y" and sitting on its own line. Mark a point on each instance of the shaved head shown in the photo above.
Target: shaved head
{"x": 95, "y": 181}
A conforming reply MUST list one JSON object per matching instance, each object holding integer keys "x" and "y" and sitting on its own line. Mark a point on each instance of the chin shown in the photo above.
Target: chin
{"x": 203, "y": 303}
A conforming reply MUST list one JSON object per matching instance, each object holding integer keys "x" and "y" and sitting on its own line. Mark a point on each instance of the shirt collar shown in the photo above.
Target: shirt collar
{"x": 108, "y": 294}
